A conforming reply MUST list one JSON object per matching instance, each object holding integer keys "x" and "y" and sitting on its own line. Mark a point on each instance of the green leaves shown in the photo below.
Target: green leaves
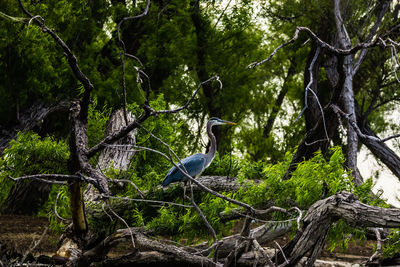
{"x": 29, "y": 154}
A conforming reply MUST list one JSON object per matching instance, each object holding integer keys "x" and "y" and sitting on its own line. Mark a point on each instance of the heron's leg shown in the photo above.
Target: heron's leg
{"x": 184, "y": 191}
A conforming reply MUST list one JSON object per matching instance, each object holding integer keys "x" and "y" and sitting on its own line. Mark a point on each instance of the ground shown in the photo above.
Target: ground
{"x": 20, "y": 231}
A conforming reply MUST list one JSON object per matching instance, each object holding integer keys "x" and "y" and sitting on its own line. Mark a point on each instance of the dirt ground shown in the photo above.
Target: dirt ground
{"x": 21, "y": 231}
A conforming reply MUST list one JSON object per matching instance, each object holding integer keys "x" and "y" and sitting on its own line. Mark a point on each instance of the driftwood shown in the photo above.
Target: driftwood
{"x": 320, "y": 216}
{"x": 118, "y": 157}
{"x": 305, "y": 247}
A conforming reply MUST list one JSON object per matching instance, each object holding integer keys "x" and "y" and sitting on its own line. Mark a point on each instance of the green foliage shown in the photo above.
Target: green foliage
{"x": 180, "y": 47}
{"x": 342, "y": 233}
{"x": 97, "y": 122}
{"x": 392, "y": 244}
{"x": 227, "y": 165}
{"x": 145, "y": 175}
{"x": 62, "y": 206}
{"x": 29, "y": 154}
{"x": 313, "y": 179}
{"x": 167, "y": 222}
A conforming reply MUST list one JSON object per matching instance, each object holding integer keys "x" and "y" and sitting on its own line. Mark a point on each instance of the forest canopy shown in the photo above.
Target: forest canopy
{"x": 101, "y": 98}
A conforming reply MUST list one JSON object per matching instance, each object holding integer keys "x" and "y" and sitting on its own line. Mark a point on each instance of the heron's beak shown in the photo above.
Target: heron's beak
{"x": 229, "y": 122}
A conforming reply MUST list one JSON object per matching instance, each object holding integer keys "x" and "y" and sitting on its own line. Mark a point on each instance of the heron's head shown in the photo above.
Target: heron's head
{"x": 217, "y": 121}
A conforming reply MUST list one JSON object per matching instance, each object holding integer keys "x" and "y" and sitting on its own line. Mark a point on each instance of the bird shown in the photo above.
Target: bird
{"x": 197, "y": 163}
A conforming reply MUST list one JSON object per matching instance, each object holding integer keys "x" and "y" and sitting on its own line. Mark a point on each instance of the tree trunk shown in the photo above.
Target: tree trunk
{"x": 348, "y": 95}
{"x": 118, "y": 157}
{"x": 320, "y": 216}
{"x": 315, "y": 140}
{"x": 114, "y": 157}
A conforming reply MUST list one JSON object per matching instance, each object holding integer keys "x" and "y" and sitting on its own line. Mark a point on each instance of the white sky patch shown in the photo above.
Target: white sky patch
{"x": 369, "y": 165}
{"x": 109, "y": 26}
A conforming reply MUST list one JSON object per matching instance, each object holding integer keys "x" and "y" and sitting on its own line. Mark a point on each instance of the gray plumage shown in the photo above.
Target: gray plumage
{"x": 196, "y": 163}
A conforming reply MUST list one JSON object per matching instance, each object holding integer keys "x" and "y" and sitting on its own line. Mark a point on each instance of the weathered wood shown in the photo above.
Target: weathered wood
{"x": 160, "y": 253}
{"x": 321, "y": 215}
{"x": 380, "y": 150}
{"x": 347, "y": 97}
{"x": 114, "y": 157}
{"x": 118, "y": 157}
{"x": 263, "y": 234}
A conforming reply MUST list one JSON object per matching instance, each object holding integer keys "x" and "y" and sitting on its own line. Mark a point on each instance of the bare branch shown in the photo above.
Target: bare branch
{"x": 150, "y": 201}
{"x": 129, "y": 182}
{"x": 257, "y": 247}
{"x": 377, "y": 252}
{"x": 385, "y": 8}
{"x": 144, "y": 13}
{"x": 52, "y": 178}
{"x": 205, "y": 221}
{"x": 322, "y": 44}
{"x": 169, "y": 253}
{"x": 357, "y": 129}
{"x": 55, "y": 208}
{"x": 308, "y": 88}
{"x": 148, "y": 111}
{"x": 263, "y": 213}
{"x": 72, "y": 61}
{"x": 34, "y": 244}
{"x": 283, "y": 254}
{"x": 118, "y": 134}
{"x": 126, "y": 224}
{"x": 123, "y": 84}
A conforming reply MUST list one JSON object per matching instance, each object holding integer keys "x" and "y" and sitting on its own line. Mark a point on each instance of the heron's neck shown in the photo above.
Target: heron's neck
{"x": 213, "y": 147}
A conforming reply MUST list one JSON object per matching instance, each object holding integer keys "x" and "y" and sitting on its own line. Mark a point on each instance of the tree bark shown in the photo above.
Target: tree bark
{"x": 118, "y": 157}
{"x": 321, "y": 215}
{"x": 114, "y": 157}
{"x": 380, "y": 150}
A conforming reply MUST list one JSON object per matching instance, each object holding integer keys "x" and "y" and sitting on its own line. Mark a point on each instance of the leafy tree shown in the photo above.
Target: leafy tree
{"x": 148, "y": 58}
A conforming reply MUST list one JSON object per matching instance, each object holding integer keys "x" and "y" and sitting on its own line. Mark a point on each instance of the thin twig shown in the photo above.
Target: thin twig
{"x": 378, "y": 245}
{"x": 51, "y": 178}
{"x": 258, "y": 247}
{"x": 357, "y": 129}
{"x": 124, "y": 54}
{"x": 123, "y": 84}
{"x": 126, "y": 224}
{"x": 205, "y": 221}
{"x": 273, "y": 209}
{"x": 55, "y": 208}
{"x": 283, "y": 254}
{"x": 109, "y": 216}
{"x": 150, "y": 201}
{"x": 34, "y": 244}
{"x": 308, "y": 89}
{"x": 131, "y": 183}
{"x": 322, "y": 44}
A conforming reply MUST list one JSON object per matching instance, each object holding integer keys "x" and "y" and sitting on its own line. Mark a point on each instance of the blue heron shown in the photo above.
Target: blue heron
{"x": 196, "y": 163}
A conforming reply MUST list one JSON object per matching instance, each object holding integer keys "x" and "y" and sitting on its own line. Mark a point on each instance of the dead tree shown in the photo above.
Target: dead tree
{"x": 145, "y": 250}
{"x": 343, "y": 61}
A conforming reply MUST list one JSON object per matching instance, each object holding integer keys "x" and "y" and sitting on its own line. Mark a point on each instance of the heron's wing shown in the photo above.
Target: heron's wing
{"x": 194, "y": 165}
